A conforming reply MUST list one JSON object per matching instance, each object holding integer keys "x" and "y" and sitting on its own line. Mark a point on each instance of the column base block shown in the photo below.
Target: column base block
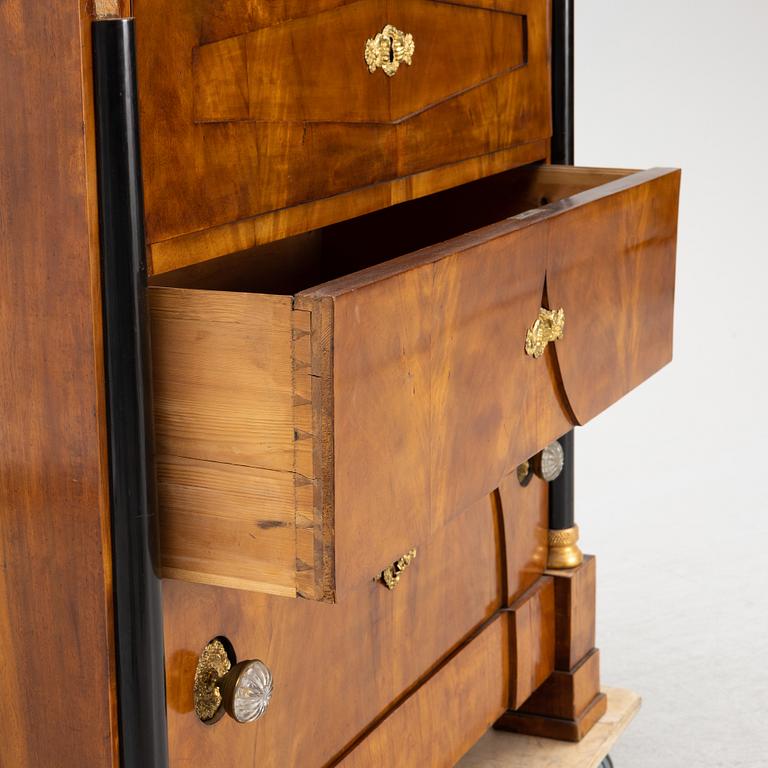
{"x": 564, "y": 695}
{"x": 512, "y": 750}
{"x": 561, "y": 729}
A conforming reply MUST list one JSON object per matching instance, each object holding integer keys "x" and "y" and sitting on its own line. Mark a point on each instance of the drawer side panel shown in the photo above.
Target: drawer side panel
{"x": 235, "y": 441}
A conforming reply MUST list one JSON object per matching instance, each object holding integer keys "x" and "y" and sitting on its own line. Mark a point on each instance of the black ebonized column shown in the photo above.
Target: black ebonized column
{"x": 561, "y": 502}
{"x": 561, "y": 490}
{"x": 562, "y": 82}
{"x": 138, "y": 613}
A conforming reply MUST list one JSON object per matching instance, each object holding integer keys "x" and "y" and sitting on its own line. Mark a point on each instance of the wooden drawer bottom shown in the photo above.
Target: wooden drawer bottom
{"x": 444, "y": 718}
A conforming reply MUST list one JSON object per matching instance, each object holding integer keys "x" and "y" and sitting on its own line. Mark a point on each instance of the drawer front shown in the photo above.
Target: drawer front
{"x": 612, "y": 265}
{"x": 322, "y": 434}
{"x": 434, "y": 399}
{"x": 313, "y": 68}
{"x": 265, "y": 107}
{"x": 448, "y": 714}
{"x": 336, "y": 668}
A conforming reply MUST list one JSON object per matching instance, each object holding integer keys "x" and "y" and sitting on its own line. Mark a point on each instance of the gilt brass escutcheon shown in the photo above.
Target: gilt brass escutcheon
{"x": 391, "y": 576}
{"x": 388, "y": 50}
{"x": 213, "y": 664}
{"x": 549, "y": 326}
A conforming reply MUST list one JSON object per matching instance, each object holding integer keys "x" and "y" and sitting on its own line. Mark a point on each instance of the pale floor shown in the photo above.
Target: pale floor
{"x": 499, "y": 749}
{"x": 682, "y": 604}
{"x": 671, "y": 490}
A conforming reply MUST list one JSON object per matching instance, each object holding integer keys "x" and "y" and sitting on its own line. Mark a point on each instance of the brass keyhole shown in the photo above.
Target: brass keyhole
{"x": 388, "y": 50}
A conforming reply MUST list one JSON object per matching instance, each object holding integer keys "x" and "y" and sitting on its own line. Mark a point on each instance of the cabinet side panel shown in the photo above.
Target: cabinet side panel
{"x": 55, "y": 583}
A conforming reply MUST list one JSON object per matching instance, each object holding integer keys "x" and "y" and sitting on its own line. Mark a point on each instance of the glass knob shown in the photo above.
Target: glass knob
{"x": 246, "y": 690}
{"x": 243, "y": 690}
{"x": 549, "y": 463}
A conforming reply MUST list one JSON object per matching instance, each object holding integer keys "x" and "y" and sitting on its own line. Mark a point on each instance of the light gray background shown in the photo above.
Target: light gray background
{"x": 671, "y": 482}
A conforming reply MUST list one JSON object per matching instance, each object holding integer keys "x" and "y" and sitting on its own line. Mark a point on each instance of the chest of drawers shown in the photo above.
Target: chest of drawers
{"x": 353, "y": 294}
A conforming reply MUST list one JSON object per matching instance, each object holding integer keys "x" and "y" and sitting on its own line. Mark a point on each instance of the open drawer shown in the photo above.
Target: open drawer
{"x": 307, "y": 436}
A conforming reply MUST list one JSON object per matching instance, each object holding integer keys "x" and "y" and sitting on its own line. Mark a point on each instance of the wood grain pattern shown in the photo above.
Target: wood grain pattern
{"x": 226, "y": 439}
{"x": 526, "y": 525}
{"x": 567, "y": 694}
{"x": 311, "y": 69}
{"x": 278, "y": 142}
{"x": 576, "y": 610}
{"x": 102, "y": 9}
{"x": 407, "y": 351}
{"x": 224, "y": 385}
{"x": 214, "y": 242}
{"x": 394, "y": 409}
{"x": 55, "y": 562}
{"x": 227, "y": 524}
{"x": 337, "y": 668}
{"x": 532, "y": 638}
{"x": 447, "y": 715}
{"x": 614, "y": 261}
{"x": 430, "y": 321}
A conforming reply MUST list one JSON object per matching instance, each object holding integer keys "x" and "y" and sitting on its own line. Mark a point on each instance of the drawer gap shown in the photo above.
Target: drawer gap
{"x": 295, "y": 264}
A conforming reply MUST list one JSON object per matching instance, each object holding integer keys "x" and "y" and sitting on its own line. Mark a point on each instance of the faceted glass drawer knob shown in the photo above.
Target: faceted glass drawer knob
{"x": 243, "y": 690}
{"x": 549, "y": 463}
{"x": 246, "y": 690}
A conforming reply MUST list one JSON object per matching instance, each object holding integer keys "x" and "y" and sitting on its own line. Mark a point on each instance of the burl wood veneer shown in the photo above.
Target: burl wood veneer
{"x": 261, "y": 120}
{"x": 308, "y": 436}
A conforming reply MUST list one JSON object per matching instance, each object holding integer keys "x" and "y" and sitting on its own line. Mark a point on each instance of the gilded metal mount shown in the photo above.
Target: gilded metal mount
{"x": 390, "y": 48}
{"x": 564, "y": 549}
{"x": 549, "y": 326}
{"x": 391, "y": 576}
{"x": 213, "y": 664}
